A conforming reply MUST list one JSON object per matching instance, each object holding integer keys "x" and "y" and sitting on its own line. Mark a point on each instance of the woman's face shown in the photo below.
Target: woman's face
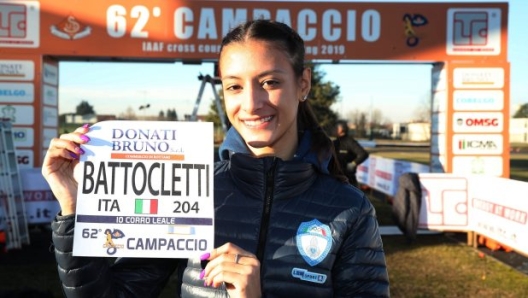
{"x": 261, "y": 95}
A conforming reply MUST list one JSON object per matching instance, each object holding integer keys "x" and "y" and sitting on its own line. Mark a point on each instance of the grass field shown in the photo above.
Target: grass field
{"x": 440, "y": 265}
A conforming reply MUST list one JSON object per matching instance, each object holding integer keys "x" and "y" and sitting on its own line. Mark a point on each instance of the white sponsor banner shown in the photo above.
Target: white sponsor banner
{"x": 439, "y": 123}
{"x": 478, "y": 100}
{"x": 499, "y": 210}
{"x": 163, "y": 208}
{"x": 39, "y": 202}
{"x": 47, "y": 135}
{"x": 50, "y": 95}
{"x": 362, "y": 172}
{"x": 438, "y": 143}
{"x": 385, "y": 171}
{"x": 50, "y": 117}
{"x": 373, "y": 161}
{"x": 474, "y": 31}
{"x": 25, "y": 158}
{"x": 444, "y": 202}
{"x": 17, "y": 70}
{"x": 478, "y": 77}
{"x": 477, "y": 144}
{"x": 439, "y": 101}
{"x": 438, "y": 163}
{"x": 20, "y": 24}
{"x": 478, "y": 122}
{"x": 51, "y": 74}
{"x": 18, "y": 114}
{"x": 16, "y": 92}
{"x": 23, "y": 136}
{"x": 439, "y": 80}
{"x": 478, "y": 165}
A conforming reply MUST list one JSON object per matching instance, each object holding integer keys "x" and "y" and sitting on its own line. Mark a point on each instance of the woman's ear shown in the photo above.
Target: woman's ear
{"x": 306, "y": 81}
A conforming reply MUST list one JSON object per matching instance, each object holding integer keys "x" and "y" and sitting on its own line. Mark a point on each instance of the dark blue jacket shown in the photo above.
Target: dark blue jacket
{"x": 314, "y": 236}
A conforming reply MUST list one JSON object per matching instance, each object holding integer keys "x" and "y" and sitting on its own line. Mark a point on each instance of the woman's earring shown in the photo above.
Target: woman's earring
{"x": 304, "y": 98}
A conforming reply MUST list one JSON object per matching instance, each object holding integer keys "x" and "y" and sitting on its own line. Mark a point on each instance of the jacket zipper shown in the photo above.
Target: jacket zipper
{"x": 264, "y": 223}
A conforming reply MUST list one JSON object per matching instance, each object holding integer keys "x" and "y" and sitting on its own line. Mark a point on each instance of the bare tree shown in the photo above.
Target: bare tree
{"x": 376, "y": 118}
{"x": 422, "y": 112}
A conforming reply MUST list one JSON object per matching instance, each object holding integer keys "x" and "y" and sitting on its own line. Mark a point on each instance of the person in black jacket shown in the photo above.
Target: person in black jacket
{"x": 350, "y": 153}
{"x": 287, "y": 224}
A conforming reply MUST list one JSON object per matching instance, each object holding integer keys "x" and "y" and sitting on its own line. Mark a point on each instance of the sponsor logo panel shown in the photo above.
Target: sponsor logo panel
{"x": 477, "y": 144}
{"x": 19, "y": 26}
{"x": 51, "y": 74}
{"x": 474, "y": 31}
{"x": 23, "y": 136}
{"x": 478, "y": 100}
{"x": 478, "y": 165}
{"x": 18, "y": 114}
{"x": 50, "y": 95}
{"x": 25, "y": 159}
{"x": 47, "y": 135}
{"x": 17, "y": 92}
{"x": 478, "y": 77}
{"x": 50, "y": 117}
{"x": 478, "y": 122}
{"x": 17, "y": 70}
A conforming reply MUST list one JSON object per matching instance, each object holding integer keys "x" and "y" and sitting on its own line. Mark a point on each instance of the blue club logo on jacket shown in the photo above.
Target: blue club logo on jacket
{"x": 314, "y": 241}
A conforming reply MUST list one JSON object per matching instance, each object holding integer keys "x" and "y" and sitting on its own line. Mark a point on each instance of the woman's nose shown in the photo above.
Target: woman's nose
{"x": 253, "y": 99}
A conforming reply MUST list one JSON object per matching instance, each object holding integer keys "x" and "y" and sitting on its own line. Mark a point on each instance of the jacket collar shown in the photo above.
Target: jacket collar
{"x": 251, "y": 175}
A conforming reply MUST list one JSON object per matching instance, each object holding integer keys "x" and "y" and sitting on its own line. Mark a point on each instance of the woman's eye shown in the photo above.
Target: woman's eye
{"x": 233, "y": 88}
{"x": 270, "y": 83}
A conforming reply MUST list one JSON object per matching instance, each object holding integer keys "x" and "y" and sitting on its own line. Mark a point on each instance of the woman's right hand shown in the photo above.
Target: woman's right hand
{"x": 59, "y": 164}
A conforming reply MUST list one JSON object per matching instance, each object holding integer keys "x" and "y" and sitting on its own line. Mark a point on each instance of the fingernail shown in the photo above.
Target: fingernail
{"x": 205, "y": 284}
{"x": 205, "y": 256}
{"x": 79, "y": 150}
{"x": 202, "y": 274}
{"x": 84, "y": 138}
{"x": 73, "y": 155}
{"x": 86, "y": 125}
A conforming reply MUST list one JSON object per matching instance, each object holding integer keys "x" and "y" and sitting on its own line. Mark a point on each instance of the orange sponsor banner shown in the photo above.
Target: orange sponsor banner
{"x": 192, "y": 30}
{"x": 144, "y": 156}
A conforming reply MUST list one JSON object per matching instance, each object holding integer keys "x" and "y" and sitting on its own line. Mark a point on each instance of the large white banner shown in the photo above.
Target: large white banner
{"x": 39, "y": 203}
{"x": 499, "y": 210}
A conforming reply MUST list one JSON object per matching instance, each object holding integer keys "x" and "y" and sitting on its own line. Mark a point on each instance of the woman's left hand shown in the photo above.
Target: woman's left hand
{"x": 237, "y": 268}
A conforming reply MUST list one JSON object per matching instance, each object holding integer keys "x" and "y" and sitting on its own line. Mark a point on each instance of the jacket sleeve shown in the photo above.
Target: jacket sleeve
{"x": 359, "y": 152}
{"x": 360, "y": 269}
{"x": 99, "y": 277}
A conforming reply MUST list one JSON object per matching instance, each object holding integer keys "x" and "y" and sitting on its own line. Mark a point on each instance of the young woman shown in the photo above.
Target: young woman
{"x": 287, "y": 223}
